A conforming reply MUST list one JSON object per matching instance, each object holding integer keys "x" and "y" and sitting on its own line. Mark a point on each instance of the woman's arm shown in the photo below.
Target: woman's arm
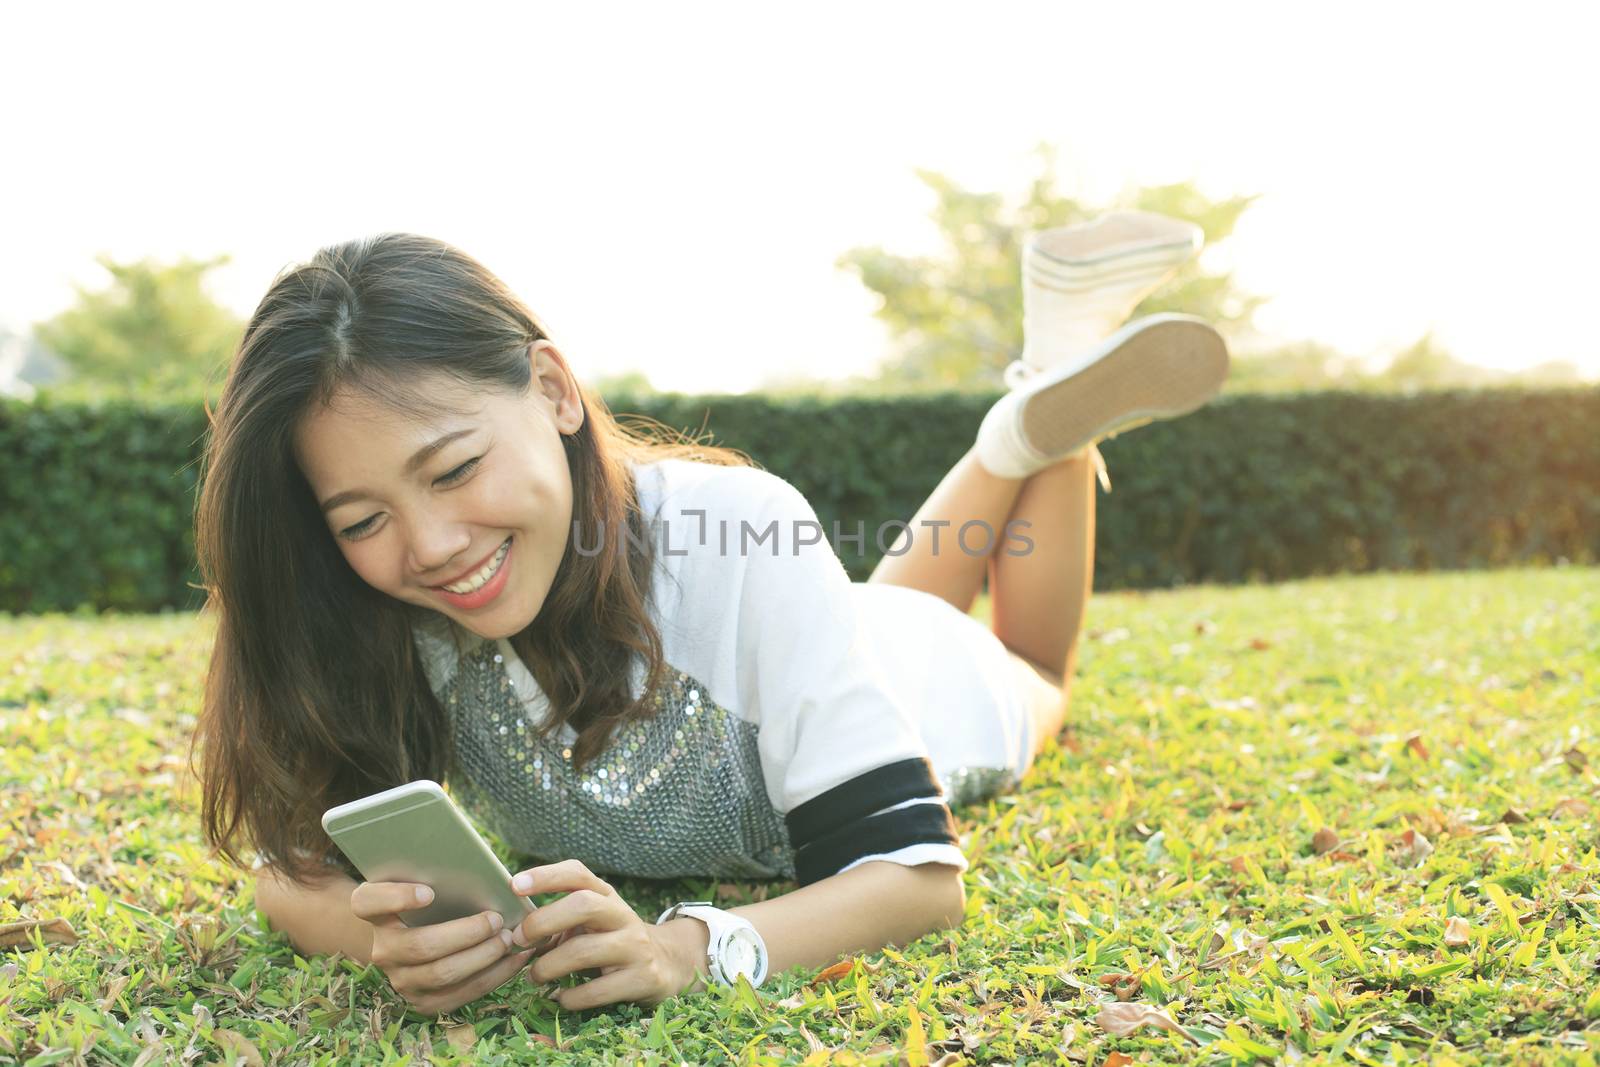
{"x": 317, "y": 917}
{"x": 865, "y": 908}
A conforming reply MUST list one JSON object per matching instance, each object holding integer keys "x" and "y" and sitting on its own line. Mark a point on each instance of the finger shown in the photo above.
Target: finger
{"x": 563, "y": 877}
{"x": 374, "y": 901}
{"x": 628, "y": 984}
{"x": 443, "y": 972}
{"x": 589, "y": 952}
{"x": 556, "y": 939}
{"x": 582, "y": 907}
{"x": 464, "y": 992}
{"x": 425, "y": 944}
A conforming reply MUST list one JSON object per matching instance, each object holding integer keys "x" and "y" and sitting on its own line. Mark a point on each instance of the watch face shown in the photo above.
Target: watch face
{"x": 740, "y": 954}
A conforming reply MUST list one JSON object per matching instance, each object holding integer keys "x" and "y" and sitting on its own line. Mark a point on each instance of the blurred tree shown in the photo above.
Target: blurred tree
{"x": 1426, "y": 365}
{"x": 630, "y": 383}
{"x": 956, "y": 318}
{"x": 1296, "y": 367}
{"x": 153, "y": 332}
{"x": 1551, "y": 372}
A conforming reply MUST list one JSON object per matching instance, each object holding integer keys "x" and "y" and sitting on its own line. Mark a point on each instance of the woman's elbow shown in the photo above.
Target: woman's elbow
{"x": 946, "y": 894}
{"x": 269, "y": 895}
{"x": 953, "y": 901}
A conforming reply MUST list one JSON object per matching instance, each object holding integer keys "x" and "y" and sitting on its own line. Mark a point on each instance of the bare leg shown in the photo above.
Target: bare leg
{"x": 968, "y": 493}
{"x": 1039, "y": 596}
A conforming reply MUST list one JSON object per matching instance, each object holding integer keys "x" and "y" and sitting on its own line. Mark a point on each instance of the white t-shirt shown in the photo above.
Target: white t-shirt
{"x": 800, "y": 759}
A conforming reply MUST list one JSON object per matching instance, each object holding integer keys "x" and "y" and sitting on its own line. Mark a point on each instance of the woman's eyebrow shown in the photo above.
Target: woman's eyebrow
{"x": 421, "y": 456}
{"x": 426, "y": 452}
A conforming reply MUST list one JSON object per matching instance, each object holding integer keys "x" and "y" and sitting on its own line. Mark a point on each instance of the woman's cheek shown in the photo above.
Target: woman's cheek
{"x": 368, "y": 567}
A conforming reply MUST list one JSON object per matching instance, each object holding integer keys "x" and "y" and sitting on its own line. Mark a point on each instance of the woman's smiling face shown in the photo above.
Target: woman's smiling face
{"x": 466, "y": 512}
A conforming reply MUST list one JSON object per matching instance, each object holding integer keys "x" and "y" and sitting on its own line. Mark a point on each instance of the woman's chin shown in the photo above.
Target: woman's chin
{"x": 492, "y": 626}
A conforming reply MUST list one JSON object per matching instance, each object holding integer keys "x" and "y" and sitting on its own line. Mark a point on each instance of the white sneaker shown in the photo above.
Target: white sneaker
{"x": 1081, "y": 282}
{"x": 1157, "y": 367}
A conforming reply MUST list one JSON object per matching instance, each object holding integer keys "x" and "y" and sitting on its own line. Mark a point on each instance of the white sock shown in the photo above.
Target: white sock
{"x": 1001, "y": 450}
{"x": 1080, "y": 283}
{"x": 1000, "y": 447}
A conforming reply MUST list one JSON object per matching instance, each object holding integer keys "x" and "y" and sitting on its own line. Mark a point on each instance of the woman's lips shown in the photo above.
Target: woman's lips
{"x": 470, "y": 571}
{"x": 486, "y": 593}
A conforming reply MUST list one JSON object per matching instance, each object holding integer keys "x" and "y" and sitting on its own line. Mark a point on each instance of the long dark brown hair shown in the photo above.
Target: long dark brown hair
{"x": 315, "y": 694}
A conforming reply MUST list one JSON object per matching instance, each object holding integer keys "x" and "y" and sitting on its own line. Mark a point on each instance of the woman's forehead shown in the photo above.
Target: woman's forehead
{"x": 364, "y": 421}
{"x": 419, "y": 400}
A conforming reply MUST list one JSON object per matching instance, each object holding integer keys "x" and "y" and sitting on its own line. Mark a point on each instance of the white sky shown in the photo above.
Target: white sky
{"x": 669, "y": 185}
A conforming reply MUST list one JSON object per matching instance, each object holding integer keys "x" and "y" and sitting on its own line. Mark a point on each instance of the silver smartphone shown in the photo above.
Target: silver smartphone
{"x": 415, "y": 833}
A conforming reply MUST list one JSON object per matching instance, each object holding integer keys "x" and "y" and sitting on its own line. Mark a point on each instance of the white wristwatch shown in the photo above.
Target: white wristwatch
{"x": 734, "y": 948}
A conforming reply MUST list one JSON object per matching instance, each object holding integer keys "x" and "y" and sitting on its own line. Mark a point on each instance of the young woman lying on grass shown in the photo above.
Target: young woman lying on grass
{"x": 432, "y": 553}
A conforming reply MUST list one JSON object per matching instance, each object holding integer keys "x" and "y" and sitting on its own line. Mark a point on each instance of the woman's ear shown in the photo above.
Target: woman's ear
{"x": 556, "y": 383}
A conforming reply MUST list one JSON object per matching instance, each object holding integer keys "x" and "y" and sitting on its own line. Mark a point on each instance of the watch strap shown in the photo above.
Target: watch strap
{"x": 718, "y": 923}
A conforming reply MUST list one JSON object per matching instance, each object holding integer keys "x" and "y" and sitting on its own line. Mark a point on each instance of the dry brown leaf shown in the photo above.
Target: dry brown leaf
{"x": 1513, "y": 817}
{"x": 833, "y": 972}
{"x": 949, "y": 1059}
{"x": 113, "y": 991}
{"x": 1117, "y": 1059}
{"x": 1570, "y": 806}
{"x": 1259, "y": 644}
{"x": 1576, "y": 759}
{"x": 811, "y": 1039}
{"x": 1123, "y": 1019}
{"x": 151, "y": 1051}
{"x": 1416, "y": 747}
{"x": 237, "y": 1046}
{"x": 1324, "y": 841}
{"x": 1344, "y": 857}
{"x": 461, "y": 1036}
{"x": 55, "y": 931}
{"x": 1457, "y": 931}
{"x": 1411, "y": 849}
{"x": 1122, "y": 985}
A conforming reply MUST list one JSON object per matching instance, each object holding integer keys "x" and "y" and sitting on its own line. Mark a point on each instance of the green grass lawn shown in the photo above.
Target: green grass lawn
{"x": 1348, "y": 819}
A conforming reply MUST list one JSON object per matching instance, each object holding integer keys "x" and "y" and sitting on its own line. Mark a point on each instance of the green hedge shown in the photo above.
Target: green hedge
{"x": 96, "y": 504}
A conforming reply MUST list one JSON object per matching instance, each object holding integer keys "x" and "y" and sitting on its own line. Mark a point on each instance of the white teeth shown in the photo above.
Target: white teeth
{"x": 468, "y": 585}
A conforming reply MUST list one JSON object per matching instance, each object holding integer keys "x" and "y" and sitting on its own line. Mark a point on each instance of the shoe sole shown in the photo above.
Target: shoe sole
{"x": 1167, "y": 369}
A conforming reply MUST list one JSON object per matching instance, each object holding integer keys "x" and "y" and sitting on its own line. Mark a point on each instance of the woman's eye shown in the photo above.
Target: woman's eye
{"x": 459, "y": 473}
{"x": 353, "y": 533}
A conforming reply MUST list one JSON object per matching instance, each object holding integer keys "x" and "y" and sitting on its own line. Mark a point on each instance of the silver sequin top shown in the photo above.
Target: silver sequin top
{"x": 678, "y": 794}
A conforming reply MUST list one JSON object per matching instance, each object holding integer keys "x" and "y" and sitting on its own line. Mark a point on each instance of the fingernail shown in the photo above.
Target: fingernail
{"x": 495, "y": 921}
{"x": 522, "y": 883}
{"x": 424, "y": 894}
{"x": 520, "y": 937}
{"x": 505, "y": 938}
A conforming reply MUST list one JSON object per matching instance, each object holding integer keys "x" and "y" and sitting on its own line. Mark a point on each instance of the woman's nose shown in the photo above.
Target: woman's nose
{"x": 438, "y": 544}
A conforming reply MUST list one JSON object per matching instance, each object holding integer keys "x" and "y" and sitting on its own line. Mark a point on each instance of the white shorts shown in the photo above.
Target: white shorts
{"x": 961, "y": 681}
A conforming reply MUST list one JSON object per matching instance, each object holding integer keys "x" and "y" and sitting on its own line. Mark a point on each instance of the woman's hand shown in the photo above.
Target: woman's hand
{"x": 440, "y": 967}
{"x": 591, "y": 928}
